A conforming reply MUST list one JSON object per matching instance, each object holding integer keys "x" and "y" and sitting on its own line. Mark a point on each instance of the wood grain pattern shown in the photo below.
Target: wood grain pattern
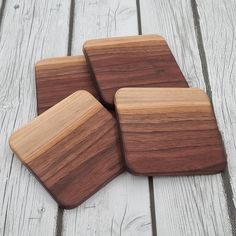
{"x": 219, "y": 49}
{"x": 57, "y": 78}
{"x": 30, "y": 30}
{"x": 135, "y": 61}
{"x": 112, "y": 210}
{"x": 169, "y": 131}
{"x": 186, "y": 205}
{"x": 73, "y": 148}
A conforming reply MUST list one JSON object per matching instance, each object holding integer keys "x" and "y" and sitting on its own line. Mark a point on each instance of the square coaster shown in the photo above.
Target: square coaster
{"x": 72, "y": 148}
{"x": 135, "y": 61}
{"x": 57, "y": 78}
{"x": 169, "y": 131}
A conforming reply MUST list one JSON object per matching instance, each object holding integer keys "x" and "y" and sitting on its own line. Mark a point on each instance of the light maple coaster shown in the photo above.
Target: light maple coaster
{"x": 135, "y": 61}
{"x": 57, "y": 78}
{"x": 72, "y": 148}
{"x": 169, "y": 131}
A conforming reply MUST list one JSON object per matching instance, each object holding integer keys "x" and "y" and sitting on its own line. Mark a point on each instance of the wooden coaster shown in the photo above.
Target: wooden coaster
{"x": 72, "y": 148}
{"x": 57, "y": 78}
{"x": 169, "y": 131}
{"x": 135, "y": 61}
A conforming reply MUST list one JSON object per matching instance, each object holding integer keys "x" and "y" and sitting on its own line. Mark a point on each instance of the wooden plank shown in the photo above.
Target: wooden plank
{"x": 30, "y": 30}
{"x": 184, "y": 205}
{"x": 217, "y": 22}
{"x": 122, "y": 207}
{"x": 100, "y": 19}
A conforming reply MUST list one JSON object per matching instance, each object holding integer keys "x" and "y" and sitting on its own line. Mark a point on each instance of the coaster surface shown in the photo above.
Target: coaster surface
{"x": 72, "y": 148}
{"x": 57, "y": 78}
{"x": 169, "y": 131}
{"x": 135, "y": 61}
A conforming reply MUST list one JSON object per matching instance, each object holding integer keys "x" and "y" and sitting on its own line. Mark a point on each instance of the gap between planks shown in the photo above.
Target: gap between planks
{"x": 171, "y": 29}
{"x": 69, "y": 50}
{"x": 22, "y": 196}
{"x": 99, "y": 19}
{"x": 2, "y": 7}
{"x": 71, "y": 27}
{"x": 150, "y": 178}
{"x": 225, "y": 175}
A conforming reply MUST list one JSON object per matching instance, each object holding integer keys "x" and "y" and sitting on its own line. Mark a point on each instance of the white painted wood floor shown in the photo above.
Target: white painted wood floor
{"x": 201, "y": 35}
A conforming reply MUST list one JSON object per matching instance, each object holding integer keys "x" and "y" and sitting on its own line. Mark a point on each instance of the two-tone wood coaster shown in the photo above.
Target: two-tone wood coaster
{"x": 57, "y": 78}
{"x": 72, "y": 148}
{"x": 169, "y": 131}
{"x": 135, "y": 61}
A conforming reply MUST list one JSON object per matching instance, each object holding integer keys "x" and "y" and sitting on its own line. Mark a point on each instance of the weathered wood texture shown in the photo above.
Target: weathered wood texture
{"x": 174, "y": 197}
{"x": 99, "y": 19}
{"x": 122, "y": 207}
{"x": 217, "y": 21}
{"x": 57, "y": 78}
{"x": 30, "y": 30}
{"x": 73, "y": 148}
{"x": 135, "y": 61}
{"x": 169, "y": 131}
{"x": 1, "y": 7}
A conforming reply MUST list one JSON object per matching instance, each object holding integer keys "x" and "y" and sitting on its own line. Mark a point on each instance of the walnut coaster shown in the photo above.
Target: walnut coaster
{"x": 57, "y": 78}
{"x": 72, "y": 148}
{"x": 169, "y": 131}
{"x": 135, "y": 61}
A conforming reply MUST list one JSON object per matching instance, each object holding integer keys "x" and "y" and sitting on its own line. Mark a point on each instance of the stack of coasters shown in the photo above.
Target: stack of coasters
{"x": 73, "y": 146}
